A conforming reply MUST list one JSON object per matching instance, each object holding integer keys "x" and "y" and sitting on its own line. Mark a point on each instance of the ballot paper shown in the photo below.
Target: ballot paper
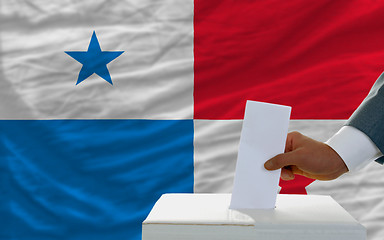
{"x": 263, "y": 136}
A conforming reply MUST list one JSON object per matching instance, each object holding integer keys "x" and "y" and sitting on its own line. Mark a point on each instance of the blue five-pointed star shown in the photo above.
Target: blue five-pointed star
{"x": 94, "y": 60}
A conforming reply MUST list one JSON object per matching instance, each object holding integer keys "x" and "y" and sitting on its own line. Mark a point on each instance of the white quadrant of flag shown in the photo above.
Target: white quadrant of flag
{"x": 153, "y": 79}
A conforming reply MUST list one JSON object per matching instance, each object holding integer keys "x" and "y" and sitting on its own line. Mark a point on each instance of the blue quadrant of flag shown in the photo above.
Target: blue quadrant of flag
{"x": 92, "y": 178}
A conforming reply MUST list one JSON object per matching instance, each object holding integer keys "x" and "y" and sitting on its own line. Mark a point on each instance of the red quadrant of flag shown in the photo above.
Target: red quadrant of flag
{"x": 320, "y": 58}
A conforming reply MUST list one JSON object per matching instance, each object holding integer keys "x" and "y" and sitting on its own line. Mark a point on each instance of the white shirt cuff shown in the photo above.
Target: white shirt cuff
{"x": 354, "y": 147}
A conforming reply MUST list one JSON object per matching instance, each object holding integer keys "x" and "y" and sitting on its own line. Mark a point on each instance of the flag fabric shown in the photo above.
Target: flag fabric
{"x": 85, "y": 156}
{"x": 106, "y": 105}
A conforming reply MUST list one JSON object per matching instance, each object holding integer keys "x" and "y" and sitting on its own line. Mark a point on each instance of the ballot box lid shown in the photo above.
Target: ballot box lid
{"x": 207, "y": 216}
{"x": 214, "y": 209}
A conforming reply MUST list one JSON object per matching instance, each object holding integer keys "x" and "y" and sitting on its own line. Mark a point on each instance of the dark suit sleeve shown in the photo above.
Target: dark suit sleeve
{"x": 369, "y": 116}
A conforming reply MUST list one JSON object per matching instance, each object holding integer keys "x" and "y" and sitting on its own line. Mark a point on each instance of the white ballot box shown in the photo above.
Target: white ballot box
{"x": 208, "y": 217}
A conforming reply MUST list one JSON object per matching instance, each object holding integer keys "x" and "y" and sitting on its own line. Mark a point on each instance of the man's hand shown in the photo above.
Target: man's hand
{"x": 307, "y": 157}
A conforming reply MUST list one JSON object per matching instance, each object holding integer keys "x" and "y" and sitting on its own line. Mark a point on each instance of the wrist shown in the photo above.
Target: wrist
{"x": 338, "y": 165}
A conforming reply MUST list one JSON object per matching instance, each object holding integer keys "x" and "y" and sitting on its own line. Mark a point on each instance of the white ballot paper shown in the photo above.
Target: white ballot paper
{"x": 263, "y": 136}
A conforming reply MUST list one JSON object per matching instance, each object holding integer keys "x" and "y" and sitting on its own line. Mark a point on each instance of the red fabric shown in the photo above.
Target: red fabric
{"x": 321, "y": 57}
{"x": 296, "y": 186}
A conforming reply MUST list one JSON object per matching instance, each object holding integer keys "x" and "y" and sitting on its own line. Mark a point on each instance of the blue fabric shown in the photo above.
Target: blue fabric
{"x": 89, "y": 179}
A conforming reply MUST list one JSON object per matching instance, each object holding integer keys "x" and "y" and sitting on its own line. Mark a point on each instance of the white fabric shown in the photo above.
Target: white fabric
{"x": 354, "y": 147}
{"x": 216, "y": 143}
{"x": 152, "y": 79}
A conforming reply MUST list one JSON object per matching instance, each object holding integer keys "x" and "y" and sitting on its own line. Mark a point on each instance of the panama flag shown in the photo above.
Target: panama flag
{"x": 106, "y": 105}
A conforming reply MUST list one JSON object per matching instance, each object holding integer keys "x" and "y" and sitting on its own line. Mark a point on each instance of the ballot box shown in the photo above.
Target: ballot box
{"x": 208, "y": 217}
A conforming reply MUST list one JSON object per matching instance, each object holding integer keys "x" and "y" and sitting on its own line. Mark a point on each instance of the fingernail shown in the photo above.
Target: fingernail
{"x": 286, "y": 176}
{"x": 268, "y": 165}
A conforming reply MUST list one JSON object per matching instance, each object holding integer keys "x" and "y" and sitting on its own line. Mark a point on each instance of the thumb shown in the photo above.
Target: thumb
{"x": 281, "y": 160}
